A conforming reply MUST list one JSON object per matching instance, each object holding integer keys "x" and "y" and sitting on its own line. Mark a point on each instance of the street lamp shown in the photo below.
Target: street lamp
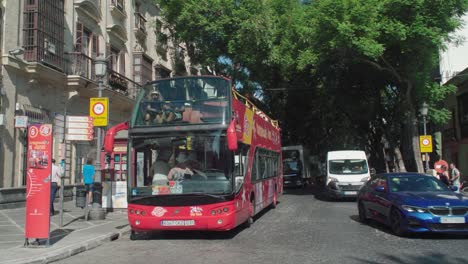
{"x": 100, "y": 68}
{"x": 423, "y": 111}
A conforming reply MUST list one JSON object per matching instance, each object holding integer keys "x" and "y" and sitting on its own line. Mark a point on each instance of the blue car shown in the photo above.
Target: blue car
{"x": 413, "y": 203}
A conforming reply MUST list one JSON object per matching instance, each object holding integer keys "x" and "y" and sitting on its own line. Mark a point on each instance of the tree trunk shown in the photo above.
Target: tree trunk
{"x": 399, "y": 160}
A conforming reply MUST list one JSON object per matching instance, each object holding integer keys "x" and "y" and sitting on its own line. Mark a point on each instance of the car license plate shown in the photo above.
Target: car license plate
{"x": 178, "y": 222}
{"x": 452, "y": 220}
{"x": 350, "y": 193}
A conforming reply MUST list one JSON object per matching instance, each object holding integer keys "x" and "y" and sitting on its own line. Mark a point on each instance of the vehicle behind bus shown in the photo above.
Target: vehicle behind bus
{"x": 296, "y": 169}
{"x": 346, "y": 172}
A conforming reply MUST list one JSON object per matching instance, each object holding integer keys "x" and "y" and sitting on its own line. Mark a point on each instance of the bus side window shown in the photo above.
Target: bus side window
{"x": 240, "y": 164}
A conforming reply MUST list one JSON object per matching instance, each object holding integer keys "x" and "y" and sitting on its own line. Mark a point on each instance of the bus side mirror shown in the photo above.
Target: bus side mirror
{"x": 232, "y": 136}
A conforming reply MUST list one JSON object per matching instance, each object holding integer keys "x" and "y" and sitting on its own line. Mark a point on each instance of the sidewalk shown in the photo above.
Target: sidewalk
{"x": 76, "y": 235}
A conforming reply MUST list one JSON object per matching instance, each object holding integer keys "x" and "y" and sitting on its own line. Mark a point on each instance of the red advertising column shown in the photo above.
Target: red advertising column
{"x": 38, "y": 181}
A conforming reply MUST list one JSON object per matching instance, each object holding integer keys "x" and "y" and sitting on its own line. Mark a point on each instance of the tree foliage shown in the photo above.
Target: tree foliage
{"x": 337, "y": 73}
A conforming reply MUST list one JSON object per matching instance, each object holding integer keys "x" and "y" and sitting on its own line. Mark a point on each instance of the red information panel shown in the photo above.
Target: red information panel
{"x": 38, "y": 181}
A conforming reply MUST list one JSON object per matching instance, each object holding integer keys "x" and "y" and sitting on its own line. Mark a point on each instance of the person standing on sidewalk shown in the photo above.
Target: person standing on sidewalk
{"x": 88, "y": 179}
{"x": 455, "y": 176}
{"x": 54, "y": 186}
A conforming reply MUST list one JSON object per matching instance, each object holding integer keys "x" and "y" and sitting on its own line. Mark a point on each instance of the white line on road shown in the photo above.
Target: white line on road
{"x": 12, "y": 221}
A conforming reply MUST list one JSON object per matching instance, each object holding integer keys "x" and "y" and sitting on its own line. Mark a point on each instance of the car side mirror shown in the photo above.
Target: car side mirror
{"x": 453, "y": 188}
{"x": 380, "y": 189}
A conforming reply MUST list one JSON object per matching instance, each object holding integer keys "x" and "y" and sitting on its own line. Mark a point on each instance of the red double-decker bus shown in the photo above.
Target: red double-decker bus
{"x": 200, "y": 157}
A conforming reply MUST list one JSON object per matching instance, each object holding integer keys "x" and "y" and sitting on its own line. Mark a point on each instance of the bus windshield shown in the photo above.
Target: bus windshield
{"x": 189, "y": 100}
{"x": 187, "y": 164}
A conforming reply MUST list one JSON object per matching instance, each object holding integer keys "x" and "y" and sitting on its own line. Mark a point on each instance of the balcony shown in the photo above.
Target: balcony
{"x": 81, "y": 72}
{"x": 117, "y": 9}
{"x": 121, "y": 84}
{"x": 140, "y": 27}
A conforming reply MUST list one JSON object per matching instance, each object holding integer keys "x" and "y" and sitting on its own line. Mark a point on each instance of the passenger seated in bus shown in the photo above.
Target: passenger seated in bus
{"x": 160, "y": 168}
{"x": 186, "y": 168}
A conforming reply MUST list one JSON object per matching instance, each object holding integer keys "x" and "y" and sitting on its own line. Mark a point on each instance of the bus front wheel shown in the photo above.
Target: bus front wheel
{"x": 250, "y": 219}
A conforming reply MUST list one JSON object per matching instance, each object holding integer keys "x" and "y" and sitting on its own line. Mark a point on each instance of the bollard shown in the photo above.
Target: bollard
{"x": 96, "y": 212}
{"x": 80, "y": 199}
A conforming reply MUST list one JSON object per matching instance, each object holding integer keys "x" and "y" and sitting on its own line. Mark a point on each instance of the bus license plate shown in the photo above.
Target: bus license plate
{"x": 178, "y": 222}
{"x": 452, "y": 220}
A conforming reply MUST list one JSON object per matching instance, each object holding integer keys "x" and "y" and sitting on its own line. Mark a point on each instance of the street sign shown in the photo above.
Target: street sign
{"x": 80, "y": 131}
{"x": 79, "y": 128}
{"x": 99, "y": 109}
{"x": 79, "y": 137}
{"x": 21, "y": 121}
{"x": 425, "y": 143}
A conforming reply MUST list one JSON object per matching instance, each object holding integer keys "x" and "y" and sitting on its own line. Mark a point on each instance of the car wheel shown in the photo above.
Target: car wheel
{"x": 362, "y": 213}
{"x": 396, "y": 222}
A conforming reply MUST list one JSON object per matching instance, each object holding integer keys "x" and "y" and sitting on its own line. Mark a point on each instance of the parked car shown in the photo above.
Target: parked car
{"x": 413, "y": 202}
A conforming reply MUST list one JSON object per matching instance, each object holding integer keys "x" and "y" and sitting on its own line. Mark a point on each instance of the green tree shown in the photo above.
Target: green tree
{"x": 349, "y": 72}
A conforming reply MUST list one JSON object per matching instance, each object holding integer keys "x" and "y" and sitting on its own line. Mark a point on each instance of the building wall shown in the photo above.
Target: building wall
{"x": 453, "y": 69}
{"x": 39, "y": 87}
{"x": 453, "y": 59}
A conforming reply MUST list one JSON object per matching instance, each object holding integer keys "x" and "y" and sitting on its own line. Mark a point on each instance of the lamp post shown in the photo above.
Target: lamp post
{"x": 100, "y": 68}
{"x": 423, "y": 111}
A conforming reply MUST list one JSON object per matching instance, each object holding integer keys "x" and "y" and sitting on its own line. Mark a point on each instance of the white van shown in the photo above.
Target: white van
{"x": 347, "y": 172}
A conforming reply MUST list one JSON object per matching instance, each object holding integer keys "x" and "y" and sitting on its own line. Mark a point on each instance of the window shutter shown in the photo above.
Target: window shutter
{"x": 122, "y": 63}
{"x": 95, "y": 46}
{"x": 79, "y": 37}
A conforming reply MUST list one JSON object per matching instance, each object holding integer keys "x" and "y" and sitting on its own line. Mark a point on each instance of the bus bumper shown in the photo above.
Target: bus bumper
{"x": 150, "y": 221}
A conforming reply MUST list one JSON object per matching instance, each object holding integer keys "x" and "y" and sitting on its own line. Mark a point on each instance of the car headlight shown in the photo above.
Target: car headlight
{"x": 413, "y": 209}
{"x": 331, "y": 179}
{"x": 365, "y": 179}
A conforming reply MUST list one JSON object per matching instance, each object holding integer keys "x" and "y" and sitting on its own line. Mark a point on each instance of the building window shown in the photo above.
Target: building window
{"x": 117, "y": 60}
{"x": 161, "y": 72}
{"x": 43, "y": 32}
{"x": 86, "y": 50}
{"x": 142, "y": 72}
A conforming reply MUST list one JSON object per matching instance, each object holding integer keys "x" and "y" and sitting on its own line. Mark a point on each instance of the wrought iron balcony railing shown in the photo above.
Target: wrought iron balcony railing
{"x": 83, "y": 65}
{"x": 80, "y": 64}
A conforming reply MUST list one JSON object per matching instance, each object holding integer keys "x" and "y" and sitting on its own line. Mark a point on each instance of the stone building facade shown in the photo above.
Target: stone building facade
{"x": 48, "y": 52}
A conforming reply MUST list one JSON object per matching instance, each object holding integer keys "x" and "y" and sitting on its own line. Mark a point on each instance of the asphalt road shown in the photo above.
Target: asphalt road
{"x": 302, "y": 229}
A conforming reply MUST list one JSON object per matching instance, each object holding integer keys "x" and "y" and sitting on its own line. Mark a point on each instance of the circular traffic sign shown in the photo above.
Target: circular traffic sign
{"x": 98, "y": 109}
{"x": 425, "y": 142}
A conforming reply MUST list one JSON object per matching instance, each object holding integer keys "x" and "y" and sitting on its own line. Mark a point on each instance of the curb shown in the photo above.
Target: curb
{"x": 68, "y": 251}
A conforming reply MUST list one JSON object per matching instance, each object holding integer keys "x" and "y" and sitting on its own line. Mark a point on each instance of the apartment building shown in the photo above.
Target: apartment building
{"x": 454, "y": 70}
{"x": 49, "y": 48}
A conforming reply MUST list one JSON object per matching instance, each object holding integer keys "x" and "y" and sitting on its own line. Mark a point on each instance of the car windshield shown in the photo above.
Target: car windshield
{"x": 348, "y": 166}
{"x": 416, "y": 184}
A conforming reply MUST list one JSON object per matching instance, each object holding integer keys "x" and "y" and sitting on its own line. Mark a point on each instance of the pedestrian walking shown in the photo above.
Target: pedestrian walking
{"x": 444, "y": 176}
{"x": 54, "y": 185}
{"x": 88, "y": 179}
{"x": 455, "y": 176}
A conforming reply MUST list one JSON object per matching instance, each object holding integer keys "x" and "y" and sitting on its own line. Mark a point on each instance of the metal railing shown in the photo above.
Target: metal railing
{"x": 80, "y": 64}
{"x": 122, "y": 84}
{"x": 84, "y": 66}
